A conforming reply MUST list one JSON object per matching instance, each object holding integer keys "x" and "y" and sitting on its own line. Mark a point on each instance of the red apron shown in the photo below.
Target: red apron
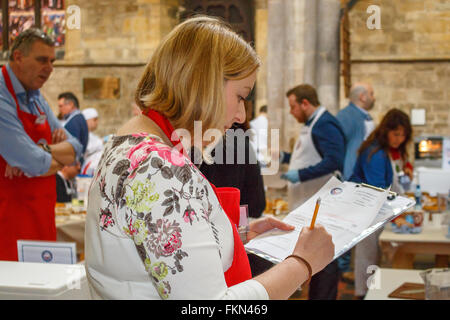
{"x": 27, "y": 205}
{"x": 239, "y": 270}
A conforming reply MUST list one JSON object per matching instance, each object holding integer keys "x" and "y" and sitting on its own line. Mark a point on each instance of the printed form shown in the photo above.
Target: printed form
{"x": 348, "y": 211}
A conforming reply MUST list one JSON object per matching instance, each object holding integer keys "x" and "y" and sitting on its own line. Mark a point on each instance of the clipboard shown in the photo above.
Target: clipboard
{"x": 391, "y": 196}
{"x": 394, "y": 206}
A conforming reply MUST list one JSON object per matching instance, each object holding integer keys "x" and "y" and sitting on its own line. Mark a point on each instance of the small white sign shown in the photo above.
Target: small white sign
{"x": 47, "y": 251}
{"x": 446, "y": 154}
{"x": 418, "y": 117}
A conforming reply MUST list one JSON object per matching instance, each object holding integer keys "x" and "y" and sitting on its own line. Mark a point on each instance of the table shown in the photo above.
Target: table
{"x": 401, "y": 248}
{"x": 71, "y": 229}
{"x": 387, "y": 280}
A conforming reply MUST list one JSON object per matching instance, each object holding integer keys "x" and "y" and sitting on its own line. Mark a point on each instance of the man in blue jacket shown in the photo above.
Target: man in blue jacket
{"x": 318, "y": 154}
{"x": 357, "y": 125}
{"x": 73, "y": 120}
{"x": 356, "y": 122}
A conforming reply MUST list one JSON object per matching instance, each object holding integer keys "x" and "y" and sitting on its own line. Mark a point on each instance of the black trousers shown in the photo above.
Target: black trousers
{"x": 324, "y": 284}
{"x": 258, "y": 264}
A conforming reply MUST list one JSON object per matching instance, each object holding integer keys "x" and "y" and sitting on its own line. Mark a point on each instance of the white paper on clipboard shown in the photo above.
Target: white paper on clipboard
{"x": 340, "y": 219}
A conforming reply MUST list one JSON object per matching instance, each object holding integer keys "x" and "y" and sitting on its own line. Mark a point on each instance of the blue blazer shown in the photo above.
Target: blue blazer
{"x": 352, "y": 120}
{"x": 376, "y": 171}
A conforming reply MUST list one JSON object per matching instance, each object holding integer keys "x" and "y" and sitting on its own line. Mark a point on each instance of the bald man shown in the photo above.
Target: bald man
{"x": 356, "y": 122}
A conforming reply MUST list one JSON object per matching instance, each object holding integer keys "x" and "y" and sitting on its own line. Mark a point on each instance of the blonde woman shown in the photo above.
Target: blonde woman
{"x": 156, "y": 228}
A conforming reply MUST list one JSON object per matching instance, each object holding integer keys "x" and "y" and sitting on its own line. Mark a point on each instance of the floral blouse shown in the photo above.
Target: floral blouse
{"x": 155, "y": 228}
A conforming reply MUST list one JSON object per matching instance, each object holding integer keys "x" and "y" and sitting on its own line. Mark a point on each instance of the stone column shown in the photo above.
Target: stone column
{"x": 303, "y": 47}
{"x": 310, "y": 41}
{"x": 261, "y": 41}
{"x": 275, "y": 62}
{"x": 285, "y": 62}
{"x": 327, "y": 55}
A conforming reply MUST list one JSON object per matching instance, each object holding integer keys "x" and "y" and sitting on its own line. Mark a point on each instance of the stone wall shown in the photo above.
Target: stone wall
{"x": 112, "y": 112}
{"x": 411, "y": 29}
{"x": 407, "y": 61}
{"x": 116, "y": 39}
{"x": 407, "y": 86}
{"x": 125, "y": 31}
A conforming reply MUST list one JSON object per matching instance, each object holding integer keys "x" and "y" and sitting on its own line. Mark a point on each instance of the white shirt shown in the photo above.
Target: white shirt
{"x": 155, "y": 229}
{"x": 261, "y": 126}
{"x": 95, "y": 144}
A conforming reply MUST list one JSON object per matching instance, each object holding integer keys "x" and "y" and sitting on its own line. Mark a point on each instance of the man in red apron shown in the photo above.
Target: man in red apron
{"x": 33, "y": 146}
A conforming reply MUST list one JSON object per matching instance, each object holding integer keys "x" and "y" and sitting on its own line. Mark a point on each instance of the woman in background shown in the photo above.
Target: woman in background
{"x": 374, "y": 166}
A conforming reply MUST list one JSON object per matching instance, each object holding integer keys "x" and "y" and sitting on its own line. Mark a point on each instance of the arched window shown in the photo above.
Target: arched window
{"x": 19, "y": 15}
{"x": 238, "y": 13}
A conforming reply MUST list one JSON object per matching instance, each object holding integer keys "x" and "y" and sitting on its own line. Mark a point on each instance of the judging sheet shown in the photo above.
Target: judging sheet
{"x": 348, "y": 211}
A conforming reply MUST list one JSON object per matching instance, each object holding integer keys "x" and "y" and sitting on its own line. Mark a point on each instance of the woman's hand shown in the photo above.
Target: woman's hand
{"x": 408, "y": 171}
{"x": 315, "y": 246}
{"x": 264, "y": 224}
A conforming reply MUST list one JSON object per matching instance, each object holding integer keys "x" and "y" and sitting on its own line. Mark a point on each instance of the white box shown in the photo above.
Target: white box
{"x": 42, "y": 281}
{"x": 434, "y": 180}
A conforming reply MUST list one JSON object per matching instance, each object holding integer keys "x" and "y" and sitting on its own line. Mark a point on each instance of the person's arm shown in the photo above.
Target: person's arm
{"x": 56, "y": 125}
{"x": 55, "y": 166}
{"x": 347, "y": 123}
{"x": 16, "y": 147}
{"x": 330, "y": 144}
{"x": 315, "y": 246}
{"x": 63, "y": 152}
{"x": 375, "y": 169}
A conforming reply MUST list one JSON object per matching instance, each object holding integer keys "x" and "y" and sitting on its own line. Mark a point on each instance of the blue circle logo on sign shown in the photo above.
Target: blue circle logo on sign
{"x": 47, "y": 256}
{"x": 336, "y": 191}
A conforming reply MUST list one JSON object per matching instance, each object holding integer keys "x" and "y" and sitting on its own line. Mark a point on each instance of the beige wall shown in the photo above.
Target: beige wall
{"x": 408, "y": 61}
{"x": 116, "y": 39}
{"x": 112, "y": 112}
{"x": 410, "y": 29}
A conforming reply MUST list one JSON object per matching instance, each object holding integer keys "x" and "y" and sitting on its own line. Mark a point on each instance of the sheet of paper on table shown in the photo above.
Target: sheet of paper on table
{"x": 348, "y": 211}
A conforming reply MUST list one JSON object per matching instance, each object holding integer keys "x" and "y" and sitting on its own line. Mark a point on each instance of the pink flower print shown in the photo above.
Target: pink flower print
{"x": 173, "y": 243}
{"x": 132, "y": 229}
{"x": 137, "y": 154}
{"x": 137, "y": 135}
{"x": 171, "y": 154}
{"x": 188, "y": 215}
{"x": 106, "y": 219}
{"x": 141, "y": 151}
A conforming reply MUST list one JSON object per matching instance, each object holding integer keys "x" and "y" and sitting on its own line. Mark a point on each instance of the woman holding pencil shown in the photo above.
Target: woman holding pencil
{"x": 155, "y": 227}
{"x": 374, "y": 166}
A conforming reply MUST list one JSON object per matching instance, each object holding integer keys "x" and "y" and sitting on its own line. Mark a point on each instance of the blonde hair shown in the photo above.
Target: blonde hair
{"x": 184, "y": 79}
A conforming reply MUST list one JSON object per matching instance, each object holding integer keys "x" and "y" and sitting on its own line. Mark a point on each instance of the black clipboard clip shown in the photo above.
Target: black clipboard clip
{"x": 392, "y": 195}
